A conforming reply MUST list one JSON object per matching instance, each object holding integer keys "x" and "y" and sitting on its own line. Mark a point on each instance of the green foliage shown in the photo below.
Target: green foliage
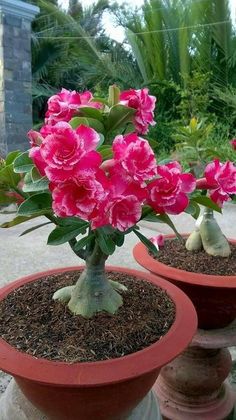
{"x": 105, "y": 241}
{"x": 37, "y": 204}
{"x": 118, "y": 116}
{"x": 207, "y": 202}
{"x": 61, "y": 235}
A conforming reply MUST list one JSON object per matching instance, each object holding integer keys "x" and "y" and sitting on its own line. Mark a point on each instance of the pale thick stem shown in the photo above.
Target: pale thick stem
{"x": 208, "y": 235}
{"x": 93, "y": 292}
{"x": 194, "y": 241}
{"x": 213, "y": 240}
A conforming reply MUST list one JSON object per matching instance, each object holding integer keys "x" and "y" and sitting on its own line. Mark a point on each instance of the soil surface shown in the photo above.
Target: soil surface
{"x": 174, "y": 254}
{"x": 33, "y": 323}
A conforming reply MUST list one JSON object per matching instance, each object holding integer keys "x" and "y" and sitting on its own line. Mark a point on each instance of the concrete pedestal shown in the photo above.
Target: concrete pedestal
{"x": 14, "y": 406}
{"x": 194, "y": 385}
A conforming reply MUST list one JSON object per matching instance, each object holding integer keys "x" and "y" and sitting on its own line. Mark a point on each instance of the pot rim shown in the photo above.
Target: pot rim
{"x": 109, "y": 371}
{"x": 142, "y": 256}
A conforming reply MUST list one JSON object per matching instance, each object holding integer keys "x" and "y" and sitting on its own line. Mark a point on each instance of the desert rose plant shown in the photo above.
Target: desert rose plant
{"x": 90, "y": 172}
{"x": 219, "y": 182}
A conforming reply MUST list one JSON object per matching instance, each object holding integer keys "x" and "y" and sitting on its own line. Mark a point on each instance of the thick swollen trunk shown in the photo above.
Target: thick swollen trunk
{"x": 209, "y": 236}
{"x": 93, "y": 292}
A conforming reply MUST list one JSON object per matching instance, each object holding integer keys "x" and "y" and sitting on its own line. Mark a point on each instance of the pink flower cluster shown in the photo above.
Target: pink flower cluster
{"x": 111, "y": 193}
{"x": 220, "y": 179}
{"x": 65, "y": 105}
{"x": 144, "y": 105}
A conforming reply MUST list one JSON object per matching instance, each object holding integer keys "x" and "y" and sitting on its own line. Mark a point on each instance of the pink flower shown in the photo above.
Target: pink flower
{"x": 122, "y": 205}
{"x": 233, "y": 143}
{"x": 66, "y": 151}
{"x": 124, "y": 212}
{"x": 45, "y": 130}
{"x": 78, "y": 197}
{"x": 135, "y": 156}
{"x": 35, "y": 155}
{"x": 144, "y": 104}
{"x": 221, "y": 180}
{"x": 168, "y": 193}
{"x": 64, "y": 105}
{"x": 35, "y": 138}
{"x": 158, "y": 241}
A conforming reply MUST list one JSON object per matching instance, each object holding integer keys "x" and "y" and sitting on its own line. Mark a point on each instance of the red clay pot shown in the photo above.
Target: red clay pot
{"x": 214, "y": 297}
{"x": 106, "y": 390}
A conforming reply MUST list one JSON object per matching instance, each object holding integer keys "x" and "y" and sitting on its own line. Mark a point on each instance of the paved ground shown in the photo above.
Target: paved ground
{"x": 28, "y": 254}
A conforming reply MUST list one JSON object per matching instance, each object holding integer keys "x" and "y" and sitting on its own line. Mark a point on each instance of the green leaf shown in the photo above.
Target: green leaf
{"x": 118, "y": 238}
{"x": 91, "y": 113}
{"x": 193, "y": 209}
{"x": 152, "y": 217}
{"x": 60, "y": 235}
{"x": 12, "y": 156}
{"x": 83, "y": 242}
{"x": 39, "y": 185}
{"x": 35, "y": 175}
{"x": 36, "y": 204}
{"x": 34, "y": 228}
{"x": 89, "y": 122}
{"x": 114, "y": 95}
{"x": 77, "y": 121}
{"x": 164, "y": 161}
{"x": 27, "y": 178}
{"x": 119, "y": 115}
{"x": 106, "y": 152}
{"x": 69, "y": 221}
{"x": 207, "y": 202}
{"x": 16, "y": 221}
{"x": 23, "y": 163}
{"x": 8, "y": 176}
{"x": 98, "y": 99}
{"x": 105, "y": 242}
{"x": 101, "y": 141}
{"x": 164, "y": 218}
{"x": 146, "y": 242}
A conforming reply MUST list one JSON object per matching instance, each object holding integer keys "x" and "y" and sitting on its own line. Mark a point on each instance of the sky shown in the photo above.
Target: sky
{"x": 118, "y": 32}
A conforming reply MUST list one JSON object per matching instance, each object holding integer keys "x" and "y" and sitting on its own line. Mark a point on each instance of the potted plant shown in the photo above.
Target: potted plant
{"x": 204, "y": 266}
{"x": 63, "y": 336}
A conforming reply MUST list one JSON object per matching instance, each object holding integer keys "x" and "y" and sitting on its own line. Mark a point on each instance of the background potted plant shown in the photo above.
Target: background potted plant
{"x": 205, "y": 265}
{"x": 95, "y": 188}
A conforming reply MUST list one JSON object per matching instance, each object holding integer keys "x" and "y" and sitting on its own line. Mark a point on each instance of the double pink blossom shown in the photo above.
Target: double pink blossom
{"x": 220, "y": 179}
{"x": 122, "y": 207}
{"x": 78, "y": 197}
{"x": 134, "y": 156}
{"x": 168, "y": 193}
{"x": 65, "y": 105}
{"x": 144, "y": 105}
{"x": 65, "y": 152}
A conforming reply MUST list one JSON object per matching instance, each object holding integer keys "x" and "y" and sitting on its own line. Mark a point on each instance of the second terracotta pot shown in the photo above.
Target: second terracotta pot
{"x": 214, "y": 297}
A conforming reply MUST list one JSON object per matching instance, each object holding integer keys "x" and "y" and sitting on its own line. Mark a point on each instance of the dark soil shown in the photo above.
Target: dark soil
{"x": 33, "y": 323}
{"x": 174, "y": 254}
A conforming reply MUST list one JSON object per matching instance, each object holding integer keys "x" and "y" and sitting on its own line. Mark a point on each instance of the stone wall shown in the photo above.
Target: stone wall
{"x": 15, "y": 74}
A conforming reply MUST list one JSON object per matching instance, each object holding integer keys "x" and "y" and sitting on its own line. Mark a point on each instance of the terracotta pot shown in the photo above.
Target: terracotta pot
{"x": 106, "y": 390}
{"x": 214, "y": 297}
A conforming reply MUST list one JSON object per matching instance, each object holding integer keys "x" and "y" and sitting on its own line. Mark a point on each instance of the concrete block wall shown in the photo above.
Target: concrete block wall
{"x": 15, "y": 74}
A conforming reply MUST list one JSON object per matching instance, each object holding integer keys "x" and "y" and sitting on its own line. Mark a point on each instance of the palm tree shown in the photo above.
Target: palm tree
{"x": 71, "y": 49}
{"x": 171, "y": 38}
